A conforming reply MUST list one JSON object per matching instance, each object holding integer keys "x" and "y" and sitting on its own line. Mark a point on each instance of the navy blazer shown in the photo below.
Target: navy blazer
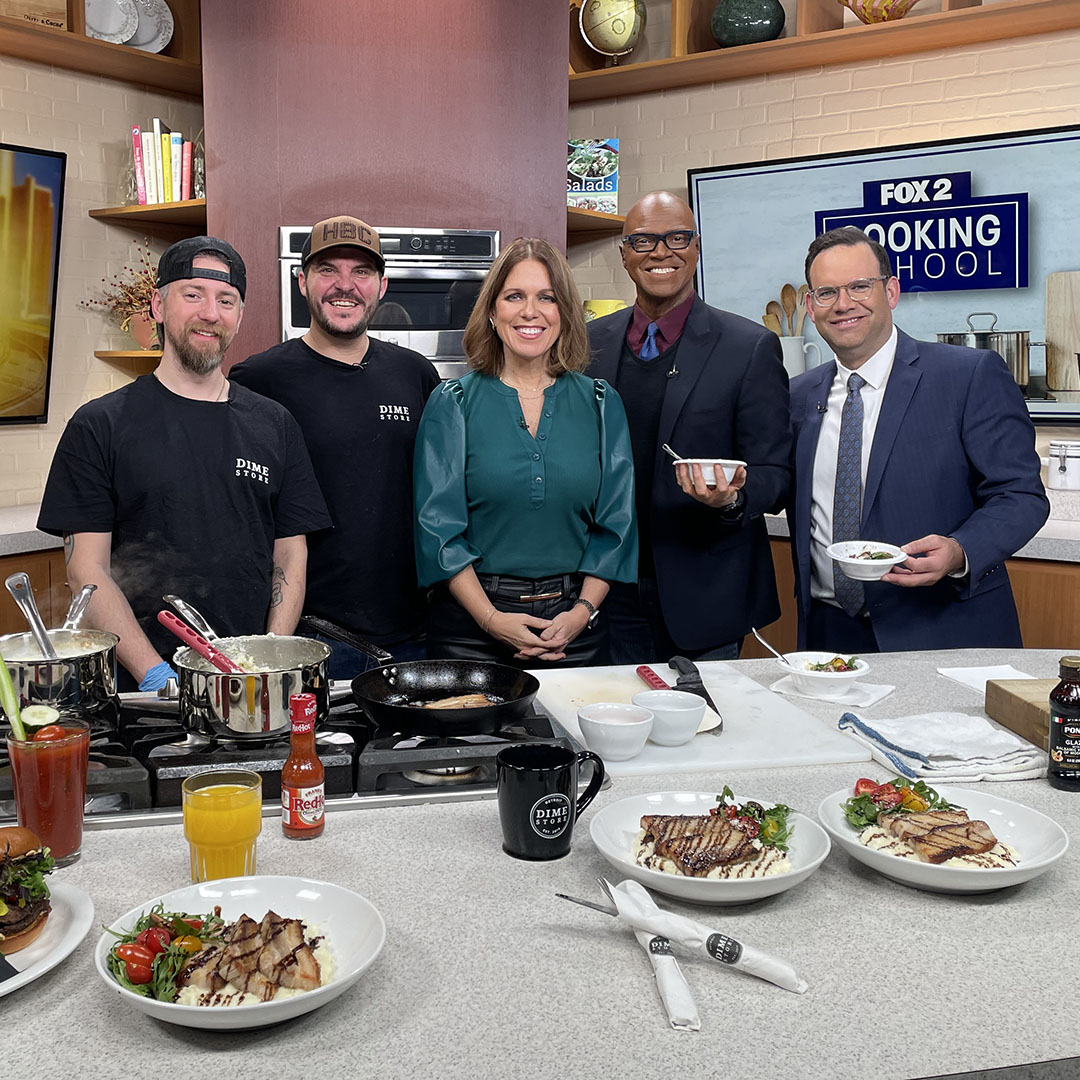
{"x": 953, "y": 454}
{"x": 728, "y": 400}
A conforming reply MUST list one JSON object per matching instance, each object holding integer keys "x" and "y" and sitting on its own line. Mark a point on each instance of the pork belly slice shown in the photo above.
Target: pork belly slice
{"x": 662, "y": 827}
{"x": 905, "y": 826}
{"x": 286, "y": 958}
{"x": 200, "y": 970}
{"x": 717, "y": 844}
{"x": 950, "y": 841}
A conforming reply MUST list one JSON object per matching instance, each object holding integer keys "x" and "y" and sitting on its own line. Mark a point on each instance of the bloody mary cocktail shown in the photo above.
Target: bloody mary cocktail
{"x": 49, "y": 778}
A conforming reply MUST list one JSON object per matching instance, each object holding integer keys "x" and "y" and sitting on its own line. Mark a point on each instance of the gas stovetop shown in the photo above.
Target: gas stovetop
{"x": 140, "y": 754}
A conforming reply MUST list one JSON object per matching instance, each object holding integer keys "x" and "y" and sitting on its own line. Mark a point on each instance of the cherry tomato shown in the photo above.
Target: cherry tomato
{"x": 139, "y": 973}
{"x": 886, "y": 796}
{"x": 731, "y": 812}
{"x": 50, "y": 733}
{"x": 748, "y": 825}
{"x": 195, "y": 924}
{"x": 156, "y": 939}
{"x": 134, "y": 953}
{"x": 864, "y": 786}
{"x": 189, "y": 943}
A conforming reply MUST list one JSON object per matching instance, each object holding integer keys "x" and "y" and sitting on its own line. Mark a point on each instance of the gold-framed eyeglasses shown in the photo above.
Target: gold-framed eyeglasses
{"x": 677, "y": 240}
{"x": 859, "y": 289}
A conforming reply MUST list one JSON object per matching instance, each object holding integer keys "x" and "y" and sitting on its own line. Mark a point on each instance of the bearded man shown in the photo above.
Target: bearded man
{"x": 358, "y": 401}
{"x": 183, "y": 483}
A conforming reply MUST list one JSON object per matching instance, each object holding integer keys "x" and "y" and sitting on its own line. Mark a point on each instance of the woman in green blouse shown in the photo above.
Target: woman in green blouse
{"x": 524, "y": 478}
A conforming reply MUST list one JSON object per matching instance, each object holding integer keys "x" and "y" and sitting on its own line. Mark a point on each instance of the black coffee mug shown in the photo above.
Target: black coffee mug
{"x": 537, "y": 785}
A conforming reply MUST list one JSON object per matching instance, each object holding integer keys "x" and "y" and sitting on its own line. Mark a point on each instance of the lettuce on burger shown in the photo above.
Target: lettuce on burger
{"x": 24, "y": 896}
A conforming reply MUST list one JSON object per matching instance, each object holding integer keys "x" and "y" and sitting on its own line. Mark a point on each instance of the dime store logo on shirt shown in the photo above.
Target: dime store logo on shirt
{"x": 395, "y": 412}
{"x": 253, "y": 469}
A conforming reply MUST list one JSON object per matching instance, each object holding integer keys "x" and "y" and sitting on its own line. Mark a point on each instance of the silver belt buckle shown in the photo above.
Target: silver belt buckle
{"x": 540, "y": 596}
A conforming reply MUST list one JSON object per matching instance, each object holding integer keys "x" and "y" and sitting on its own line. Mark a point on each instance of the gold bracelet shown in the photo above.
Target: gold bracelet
{"x": 487, "y": 622}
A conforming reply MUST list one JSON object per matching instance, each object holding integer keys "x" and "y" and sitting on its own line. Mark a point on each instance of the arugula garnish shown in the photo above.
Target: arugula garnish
{"x": 773, "y": 828}
{"x": 862, "y": 810}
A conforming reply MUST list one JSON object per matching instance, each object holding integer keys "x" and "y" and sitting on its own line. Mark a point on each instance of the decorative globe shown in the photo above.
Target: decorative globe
{"x": 743, "y": 22}
{"x": 612, "y": 27}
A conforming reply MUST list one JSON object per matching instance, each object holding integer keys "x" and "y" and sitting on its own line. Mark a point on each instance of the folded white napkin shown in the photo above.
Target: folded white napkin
{"x": 670, "y": 982}
{"x": 947, "y": 746}
{"x": 976, "y": 677}
{"x": 856, "y": 695}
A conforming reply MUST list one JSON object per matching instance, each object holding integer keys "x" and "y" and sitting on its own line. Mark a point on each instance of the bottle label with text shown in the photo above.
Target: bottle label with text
{"x": 302, "y": 808}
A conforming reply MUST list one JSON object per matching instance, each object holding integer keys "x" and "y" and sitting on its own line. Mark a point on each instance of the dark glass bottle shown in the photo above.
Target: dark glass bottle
{"x": 1063, "y": 770}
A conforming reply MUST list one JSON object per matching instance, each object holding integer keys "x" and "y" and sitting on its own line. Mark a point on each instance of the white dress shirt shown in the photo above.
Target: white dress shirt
{"x": 876, "y": 372}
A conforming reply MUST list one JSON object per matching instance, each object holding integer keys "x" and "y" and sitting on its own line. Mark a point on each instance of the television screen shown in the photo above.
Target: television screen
{"x": 982, "y": 228}
{"x": 31, "y": 209}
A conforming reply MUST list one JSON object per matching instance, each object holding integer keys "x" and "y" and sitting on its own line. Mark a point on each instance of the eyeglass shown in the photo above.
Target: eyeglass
{"x": 678, "y": 240}
{"x": 859, "y": 289}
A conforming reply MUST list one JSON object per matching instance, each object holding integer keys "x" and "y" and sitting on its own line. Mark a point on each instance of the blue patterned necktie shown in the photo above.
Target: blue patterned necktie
{"x": 847, "y": 494}
{"x": 649, "y": 350}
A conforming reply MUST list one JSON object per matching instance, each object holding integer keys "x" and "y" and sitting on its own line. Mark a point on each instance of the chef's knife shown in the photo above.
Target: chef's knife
{"x": 690, "y": 680}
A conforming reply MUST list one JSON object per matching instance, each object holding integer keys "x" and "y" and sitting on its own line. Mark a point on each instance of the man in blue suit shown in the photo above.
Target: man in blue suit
{"x": 926, "y": 446}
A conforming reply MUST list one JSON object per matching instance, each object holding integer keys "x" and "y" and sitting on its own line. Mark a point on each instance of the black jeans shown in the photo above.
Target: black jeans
{"x": 454, "y": 635}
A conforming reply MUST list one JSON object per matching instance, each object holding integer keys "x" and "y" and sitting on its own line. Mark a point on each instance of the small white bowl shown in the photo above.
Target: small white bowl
{"x": 824, "y": 684}
{"x": 864, "y": 569}
{"x": 614, "y": 730}
{"x": 709, "y": 466}
{"x": 676, "y": 715}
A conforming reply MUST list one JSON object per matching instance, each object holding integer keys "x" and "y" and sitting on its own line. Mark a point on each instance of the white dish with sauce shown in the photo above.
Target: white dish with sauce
{"x": 352, "y": 926}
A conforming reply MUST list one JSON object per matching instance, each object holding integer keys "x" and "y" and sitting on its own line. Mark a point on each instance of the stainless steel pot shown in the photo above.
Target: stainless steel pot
{"x": 84, "y": 675}
{"x": 1011, "y": 345}
{"x": 252, "y": 706}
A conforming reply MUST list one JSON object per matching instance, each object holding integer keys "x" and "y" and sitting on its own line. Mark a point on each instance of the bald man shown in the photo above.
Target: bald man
{"x": 711, "y": 385}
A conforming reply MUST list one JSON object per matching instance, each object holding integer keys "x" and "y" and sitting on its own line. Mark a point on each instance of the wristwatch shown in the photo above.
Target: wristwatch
{"x": 594, "y": 614}
{"x": 734, "y": 508}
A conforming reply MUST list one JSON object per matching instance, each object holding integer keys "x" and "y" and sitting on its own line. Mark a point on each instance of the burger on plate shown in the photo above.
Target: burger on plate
{"x": 24, "y": 896}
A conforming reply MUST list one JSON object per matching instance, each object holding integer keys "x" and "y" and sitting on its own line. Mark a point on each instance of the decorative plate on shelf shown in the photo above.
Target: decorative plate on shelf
{"x": 111, "y": 20}
{"x": 155, "y": 29}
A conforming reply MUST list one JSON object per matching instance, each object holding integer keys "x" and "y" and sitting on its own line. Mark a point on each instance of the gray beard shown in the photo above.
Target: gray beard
{"x": 193, "y": 359}
{"x": 331, "y": 330}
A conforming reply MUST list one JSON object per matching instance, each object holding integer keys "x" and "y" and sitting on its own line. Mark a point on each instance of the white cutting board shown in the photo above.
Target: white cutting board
{"x": 761, "y": 729}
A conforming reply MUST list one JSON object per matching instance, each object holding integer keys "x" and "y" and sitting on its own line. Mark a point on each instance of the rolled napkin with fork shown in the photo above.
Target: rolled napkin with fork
{"x": 637, "y": 908}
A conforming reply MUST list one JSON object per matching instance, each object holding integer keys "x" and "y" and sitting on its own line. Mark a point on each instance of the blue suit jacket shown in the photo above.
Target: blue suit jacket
{"x": 953, "y": 454}
{"x": 729, "y": 400}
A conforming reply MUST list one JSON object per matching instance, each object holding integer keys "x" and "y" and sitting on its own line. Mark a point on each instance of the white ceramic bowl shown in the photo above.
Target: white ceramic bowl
{"x": 1040, "y": 843}
{"x": 614, "y": 831}
{"x": 354, "y": 932}
{"x": 676, "y": 715}
{"x": 614, "y": 730}
{"x": 824, "y": 684}
{"x": 864, "y": 569}
{"x": 710, "y": 465}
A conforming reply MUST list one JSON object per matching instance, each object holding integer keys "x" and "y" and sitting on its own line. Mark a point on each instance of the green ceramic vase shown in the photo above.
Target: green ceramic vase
{"x": 742, "y": 22}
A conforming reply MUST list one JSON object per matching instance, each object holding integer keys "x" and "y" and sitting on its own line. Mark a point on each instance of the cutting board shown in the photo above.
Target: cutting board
{"x": 1023, "y": 706}
{"x": 761, "y": 729}
{"x": 1063, "y": 330}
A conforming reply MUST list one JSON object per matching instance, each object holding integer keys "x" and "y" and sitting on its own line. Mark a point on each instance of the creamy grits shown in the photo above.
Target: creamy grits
{"x": 998, "y": 857}
{"x": 766, "y": 863}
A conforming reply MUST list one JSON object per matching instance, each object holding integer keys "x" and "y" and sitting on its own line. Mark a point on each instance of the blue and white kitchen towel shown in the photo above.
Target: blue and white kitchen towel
{"x": 947, "y": 747}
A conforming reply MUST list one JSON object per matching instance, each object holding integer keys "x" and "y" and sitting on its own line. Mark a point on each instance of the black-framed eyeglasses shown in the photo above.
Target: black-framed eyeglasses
{"x": 677, "y": 240}
{"x": 859, "y": 289}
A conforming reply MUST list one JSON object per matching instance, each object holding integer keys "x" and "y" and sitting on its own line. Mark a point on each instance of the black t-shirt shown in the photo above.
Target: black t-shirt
{"x": 194, "y": 493}
{"x": 359, "y": 423}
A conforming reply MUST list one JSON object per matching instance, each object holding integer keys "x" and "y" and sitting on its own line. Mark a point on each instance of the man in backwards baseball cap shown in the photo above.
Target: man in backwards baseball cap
{"x": 358, "y": 400}
{"x": 181, "y": 483}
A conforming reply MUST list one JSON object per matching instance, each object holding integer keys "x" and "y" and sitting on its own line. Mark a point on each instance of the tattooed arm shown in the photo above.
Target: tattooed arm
{"x": 88, "y": 557}
{"x": 287, "y": 584}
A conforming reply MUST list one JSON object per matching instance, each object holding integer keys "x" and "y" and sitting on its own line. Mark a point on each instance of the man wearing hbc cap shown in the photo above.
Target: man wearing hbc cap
{"x": 358, "y": 401}
{"x": 181, "y": 483}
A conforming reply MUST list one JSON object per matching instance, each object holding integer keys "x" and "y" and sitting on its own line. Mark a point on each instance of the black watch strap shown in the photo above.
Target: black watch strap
{"x": 735, "y": 509}
{"x": 589, "y": 606}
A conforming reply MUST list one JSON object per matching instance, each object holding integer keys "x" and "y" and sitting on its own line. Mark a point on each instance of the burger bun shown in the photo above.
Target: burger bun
{"x": 11, "y": 943}
{"x": 16, "y": 841}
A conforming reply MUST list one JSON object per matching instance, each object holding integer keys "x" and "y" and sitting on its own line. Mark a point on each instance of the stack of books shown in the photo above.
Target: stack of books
{"x": 162, "y": 163}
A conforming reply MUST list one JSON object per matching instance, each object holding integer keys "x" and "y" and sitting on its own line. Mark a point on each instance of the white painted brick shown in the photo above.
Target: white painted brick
{"x": 712, "y": 142}
{"x": 13, "y": 76}
{"x": 821, "y": 125}
{"x": 661, "y": 107}
{"x": 52, "y": 84}
{"x": 25, "y": 102}
{"x": 835, "y": 144}
{"x": 895, "y": 74}
{"x": 830, "y": 81}
{"x": 805, "y": 147}
{"x": 941, "y": 111}
{"x": 895, "y": 117}
{"x": 911, "y": 93}
{"x": 1046, "y": 78}
{"x": 82, "y": 112}
{"x": 1015, "y": 56}
{"x": 761, "y": 93}
{"x": 806, "y": 106}
{"x": 974, "y": 86}
{"x": 690, "y": 124}
{"x": 944, "y": 66}
{"x": 741, "y": 117}
{"x": 714, "y": 97}
{"x": 850, "y": 101}
{"x": 13, "y": 124}
{"x": 780, "y": 111}
{"x": 764, "y": 133}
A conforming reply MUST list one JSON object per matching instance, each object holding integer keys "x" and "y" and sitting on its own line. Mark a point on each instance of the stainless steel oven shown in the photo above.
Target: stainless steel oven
{"x": 433, "y": 275}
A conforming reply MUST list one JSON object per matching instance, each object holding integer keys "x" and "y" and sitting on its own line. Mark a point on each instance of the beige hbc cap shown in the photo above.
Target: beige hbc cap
{"x": 343, "y": 231}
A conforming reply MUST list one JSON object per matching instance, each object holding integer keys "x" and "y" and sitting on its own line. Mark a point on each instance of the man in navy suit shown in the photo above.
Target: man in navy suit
{"x": 921, "y": 445}
{"x": 712, "y": 385}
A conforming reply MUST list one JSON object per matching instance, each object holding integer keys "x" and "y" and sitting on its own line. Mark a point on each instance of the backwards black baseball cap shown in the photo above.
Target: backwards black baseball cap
{"x": 176, "y": 263}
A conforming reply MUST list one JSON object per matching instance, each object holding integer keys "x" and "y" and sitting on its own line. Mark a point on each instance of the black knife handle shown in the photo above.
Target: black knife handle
{"x": 684, "y": 666}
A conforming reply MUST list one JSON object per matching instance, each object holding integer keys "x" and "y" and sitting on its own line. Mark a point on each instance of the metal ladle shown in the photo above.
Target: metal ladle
{"x": 779, "y": 656}
{"x": 19, "y": 587}
{"x": 79, "y": 603}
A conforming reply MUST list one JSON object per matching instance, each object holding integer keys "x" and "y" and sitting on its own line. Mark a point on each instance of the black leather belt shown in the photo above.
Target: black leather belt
{"x": 528, "y": 590}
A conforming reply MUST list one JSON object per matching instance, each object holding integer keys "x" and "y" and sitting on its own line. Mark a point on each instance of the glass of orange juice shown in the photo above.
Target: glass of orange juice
{"x": 222, "y": 821}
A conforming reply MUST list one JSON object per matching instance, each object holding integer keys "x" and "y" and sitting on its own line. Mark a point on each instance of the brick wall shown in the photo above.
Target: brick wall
{"x": 981, "y": 89}
{"x": 89, "y": 119}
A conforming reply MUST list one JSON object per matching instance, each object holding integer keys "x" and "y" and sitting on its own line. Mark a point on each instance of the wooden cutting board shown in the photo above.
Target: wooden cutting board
{"x": 1022, "y": 705}
{"x": 1063, "y": 330}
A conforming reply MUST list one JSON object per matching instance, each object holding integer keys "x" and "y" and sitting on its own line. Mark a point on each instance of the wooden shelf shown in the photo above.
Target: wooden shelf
{"x": 187, "y": 213}
{"x": 579, "y": 220}
{"x": 129, "y": 354}
{"x": 817, "y": 45}
{"x": 179, "y": 72}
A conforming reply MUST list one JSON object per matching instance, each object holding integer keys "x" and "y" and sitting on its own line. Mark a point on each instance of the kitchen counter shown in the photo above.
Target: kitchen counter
{"x": 19, "y": 532}
{"x": 486, "y": 973}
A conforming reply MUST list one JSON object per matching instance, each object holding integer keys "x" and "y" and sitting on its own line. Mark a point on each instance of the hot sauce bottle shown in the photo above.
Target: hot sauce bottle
{"x": 302, "y": 776}
{"x": 1063, "y": 769}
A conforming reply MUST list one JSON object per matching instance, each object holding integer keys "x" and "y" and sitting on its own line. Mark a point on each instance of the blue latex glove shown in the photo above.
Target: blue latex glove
{"x": 157, "y": 676}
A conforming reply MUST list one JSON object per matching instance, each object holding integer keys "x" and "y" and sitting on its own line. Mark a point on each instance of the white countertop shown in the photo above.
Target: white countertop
{"x": 486, "y": 974}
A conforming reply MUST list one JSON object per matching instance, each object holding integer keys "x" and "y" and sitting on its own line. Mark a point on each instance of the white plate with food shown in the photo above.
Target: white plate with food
{"x": 616, "y": 829}
{"x": 111, "y": 20}
{"x": 345, "y": 929}
{"x": 69, "y": 921}
{"x": 822, "y": 674}
{"x": 728, "y": 466}
{"x": 865, "y": 560}
{"x": 1038, "y": 842}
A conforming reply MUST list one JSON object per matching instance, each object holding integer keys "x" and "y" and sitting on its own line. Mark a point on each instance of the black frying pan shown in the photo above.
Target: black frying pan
{"x": 389, "y": 695}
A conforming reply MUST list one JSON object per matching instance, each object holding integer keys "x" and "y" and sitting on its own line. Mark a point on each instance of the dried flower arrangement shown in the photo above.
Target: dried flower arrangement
{"x": 126, "y": 298}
